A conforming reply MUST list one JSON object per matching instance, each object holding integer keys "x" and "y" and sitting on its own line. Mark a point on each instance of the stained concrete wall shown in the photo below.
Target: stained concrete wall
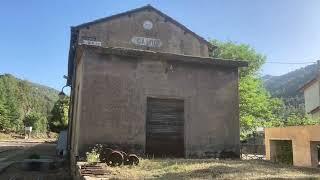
{"x": 315, "y": 115}
{"x": 302, "y": 138}
{"x": 312, "y": 97}
{"x": 76, "y": 111}
{"x": 118, "y": 32}
{"x": 114, "y": 98}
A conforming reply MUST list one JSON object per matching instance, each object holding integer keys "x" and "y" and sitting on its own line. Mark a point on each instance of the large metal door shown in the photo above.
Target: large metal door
{"x": 165, "y": 127}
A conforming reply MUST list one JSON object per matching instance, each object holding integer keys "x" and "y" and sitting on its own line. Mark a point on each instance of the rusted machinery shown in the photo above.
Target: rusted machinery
{"x": 116, "y": 158}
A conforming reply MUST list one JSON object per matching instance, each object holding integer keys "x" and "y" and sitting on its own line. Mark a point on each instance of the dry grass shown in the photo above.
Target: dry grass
{"x": 16, "y": 136}
{"x": 4, "y": 136}
{"x": 209, "y": 169}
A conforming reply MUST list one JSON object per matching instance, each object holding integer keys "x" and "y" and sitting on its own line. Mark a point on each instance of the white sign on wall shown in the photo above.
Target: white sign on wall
{"x": 91, "y": 43}
{"x": 149, "y": 42}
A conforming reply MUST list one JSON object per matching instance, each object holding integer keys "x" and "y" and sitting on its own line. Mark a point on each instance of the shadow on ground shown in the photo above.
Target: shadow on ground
{"x": 44, "y": 150}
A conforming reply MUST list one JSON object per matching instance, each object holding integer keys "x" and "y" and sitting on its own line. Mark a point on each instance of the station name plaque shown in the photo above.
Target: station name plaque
{"x": 148, "y": 42}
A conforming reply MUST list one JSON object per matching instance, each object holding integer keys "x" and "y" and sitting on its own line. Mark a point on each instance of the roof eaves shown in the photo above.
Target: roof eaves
{"x": 315, "y": 110}
{"x": 73, "y": 39}
{"x": 308, "y": 84}
{"x": 169, "y": 56}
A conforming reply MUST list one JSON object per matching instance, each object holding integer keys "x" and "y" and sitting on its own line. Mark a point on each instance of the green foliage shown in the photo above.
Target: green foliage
{"x": 93, "y": 156}
{"x": 4, "y": 117}
{"x": 257, "y": 108}
{"x": 18, "y": 98}
{"x": 299, "y": 120}
{"x": 284, "y": 152}
{"x": 37, "y": 121}
{"x": 235, "y": 51}
{"x": 59, "y": 118}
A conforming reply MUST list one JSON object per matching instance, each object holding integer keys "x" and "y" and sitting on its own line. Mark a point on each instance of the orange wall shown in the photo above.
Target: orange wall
{"x": 301, "y": 137}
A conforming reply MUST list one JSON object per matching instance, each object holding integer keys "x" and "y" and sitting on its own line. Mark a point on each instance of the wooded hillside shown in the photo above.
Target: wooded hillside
{"x": 20, "y": 98}
{"x": 286, "y": 86}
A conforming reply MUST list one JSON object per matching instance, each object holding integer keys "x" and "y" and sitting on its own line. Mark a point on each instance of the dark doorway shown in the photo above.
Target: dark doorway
{"x": 315, "y": 153}
{"x": 318, "y": 159}
{"x": 165, "y": 127}
{"x": 281, "y": 151}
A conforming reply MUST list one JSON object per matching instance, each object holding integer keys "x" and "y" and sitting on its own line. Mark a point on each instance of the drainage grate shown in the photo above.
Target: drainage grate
{"x": 87, "y": 170}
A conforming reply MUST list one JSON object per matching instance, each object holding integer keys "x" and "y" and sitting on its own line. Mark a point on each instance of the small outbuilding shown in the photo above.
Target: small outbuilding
{"x": 297, "y": 145}
{"x": 144, "y": 83}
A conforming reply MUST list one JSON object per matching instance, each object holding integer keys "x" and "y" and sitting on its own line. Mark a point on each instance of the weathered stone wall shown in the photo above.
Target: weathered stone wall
{"x": 114, "y": 99}
{"x": 119, "y": 32}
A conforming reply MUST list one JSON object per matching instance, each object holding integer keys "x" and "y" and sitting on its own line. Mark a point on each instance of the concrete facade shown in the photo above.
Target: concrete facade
{"x": 304, "y": 143}
{"x": 119, "y": 32}
{"x": 312, "y": 97}
{"x": 311, "y": 92}
{"x": 112, "y": 77}
{"x": 113, "y": 97}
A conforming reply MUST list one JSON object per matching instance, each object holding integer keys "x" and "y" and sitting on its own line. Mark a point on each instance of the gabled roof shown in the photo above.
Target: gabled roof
{"x": 314, "y": 110}
{"x": 74, "y": 33}
{"x": 147, "y": 7}
{"x": 308, "y": 84}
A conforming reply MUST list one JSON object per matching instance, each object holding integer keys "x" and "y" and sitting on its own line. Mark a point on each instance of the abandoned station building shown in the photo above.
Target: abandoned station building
{"x": 143, "y": 82}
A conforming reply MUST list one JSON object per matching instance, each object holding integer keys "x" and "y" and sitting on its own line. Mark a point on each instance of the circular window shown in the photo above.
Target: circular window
{"x": 147, "y": 25}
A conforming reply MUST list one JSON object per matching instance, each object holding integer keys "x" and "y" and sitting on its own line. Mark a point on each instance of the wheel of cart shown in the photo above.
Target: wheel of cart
{"x": 132, "y": 159}
{"x": 105, "y": 152}
{"x": 115, "y": 159}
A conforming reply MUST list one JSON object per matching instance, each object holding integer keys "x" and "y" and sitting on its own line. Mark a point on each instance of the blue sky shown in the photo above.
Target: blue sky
{"x": 35, "y": 33}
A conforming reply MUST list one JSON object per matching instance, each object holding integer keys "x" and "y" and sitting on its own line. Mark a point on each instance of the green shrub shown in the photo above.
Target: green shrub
{"x": 284, "y": 152}
{"x": 59, "y": 118}
{"x": 93, "y": 156}
{"x": 37, "y": 121}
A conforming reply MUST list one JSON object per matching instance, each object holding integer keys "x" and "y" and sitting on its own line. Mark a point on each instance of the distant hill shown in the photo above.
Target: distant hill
{"x": 20, "y": 97}
{"x": 286, "y": 86}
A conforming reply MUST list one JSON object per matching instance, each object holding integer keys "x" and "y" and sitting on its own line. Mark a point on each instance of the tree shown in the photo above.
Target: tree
{"x": 59, "y": 118}
{"x": 37, "y": 120}
{"x": 18, "y": 98}
{"x": 257, "y": 107}
{"x": 296, "y": 119}
{"x": 24, "y": 97}
{"x": 13, "y": 114}
{"x": 4, "y": 120}
{"x": 234, "y": 51}
{"x": 10, "y": 114}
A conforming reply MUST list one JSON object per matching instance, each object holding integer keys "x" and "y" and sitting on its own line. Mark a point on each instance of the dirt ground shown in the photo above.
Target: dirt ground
{"x": 153, "y": 168}
{"x": 11, "y": 136}
{"x": 19, "y": 151}
{"x": 209, "y": 169}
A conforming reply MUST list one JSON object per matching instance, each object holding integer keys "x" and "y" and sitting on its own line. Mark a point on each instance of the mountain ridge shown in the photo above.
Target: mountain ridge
{"x": 287, "y": 86}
